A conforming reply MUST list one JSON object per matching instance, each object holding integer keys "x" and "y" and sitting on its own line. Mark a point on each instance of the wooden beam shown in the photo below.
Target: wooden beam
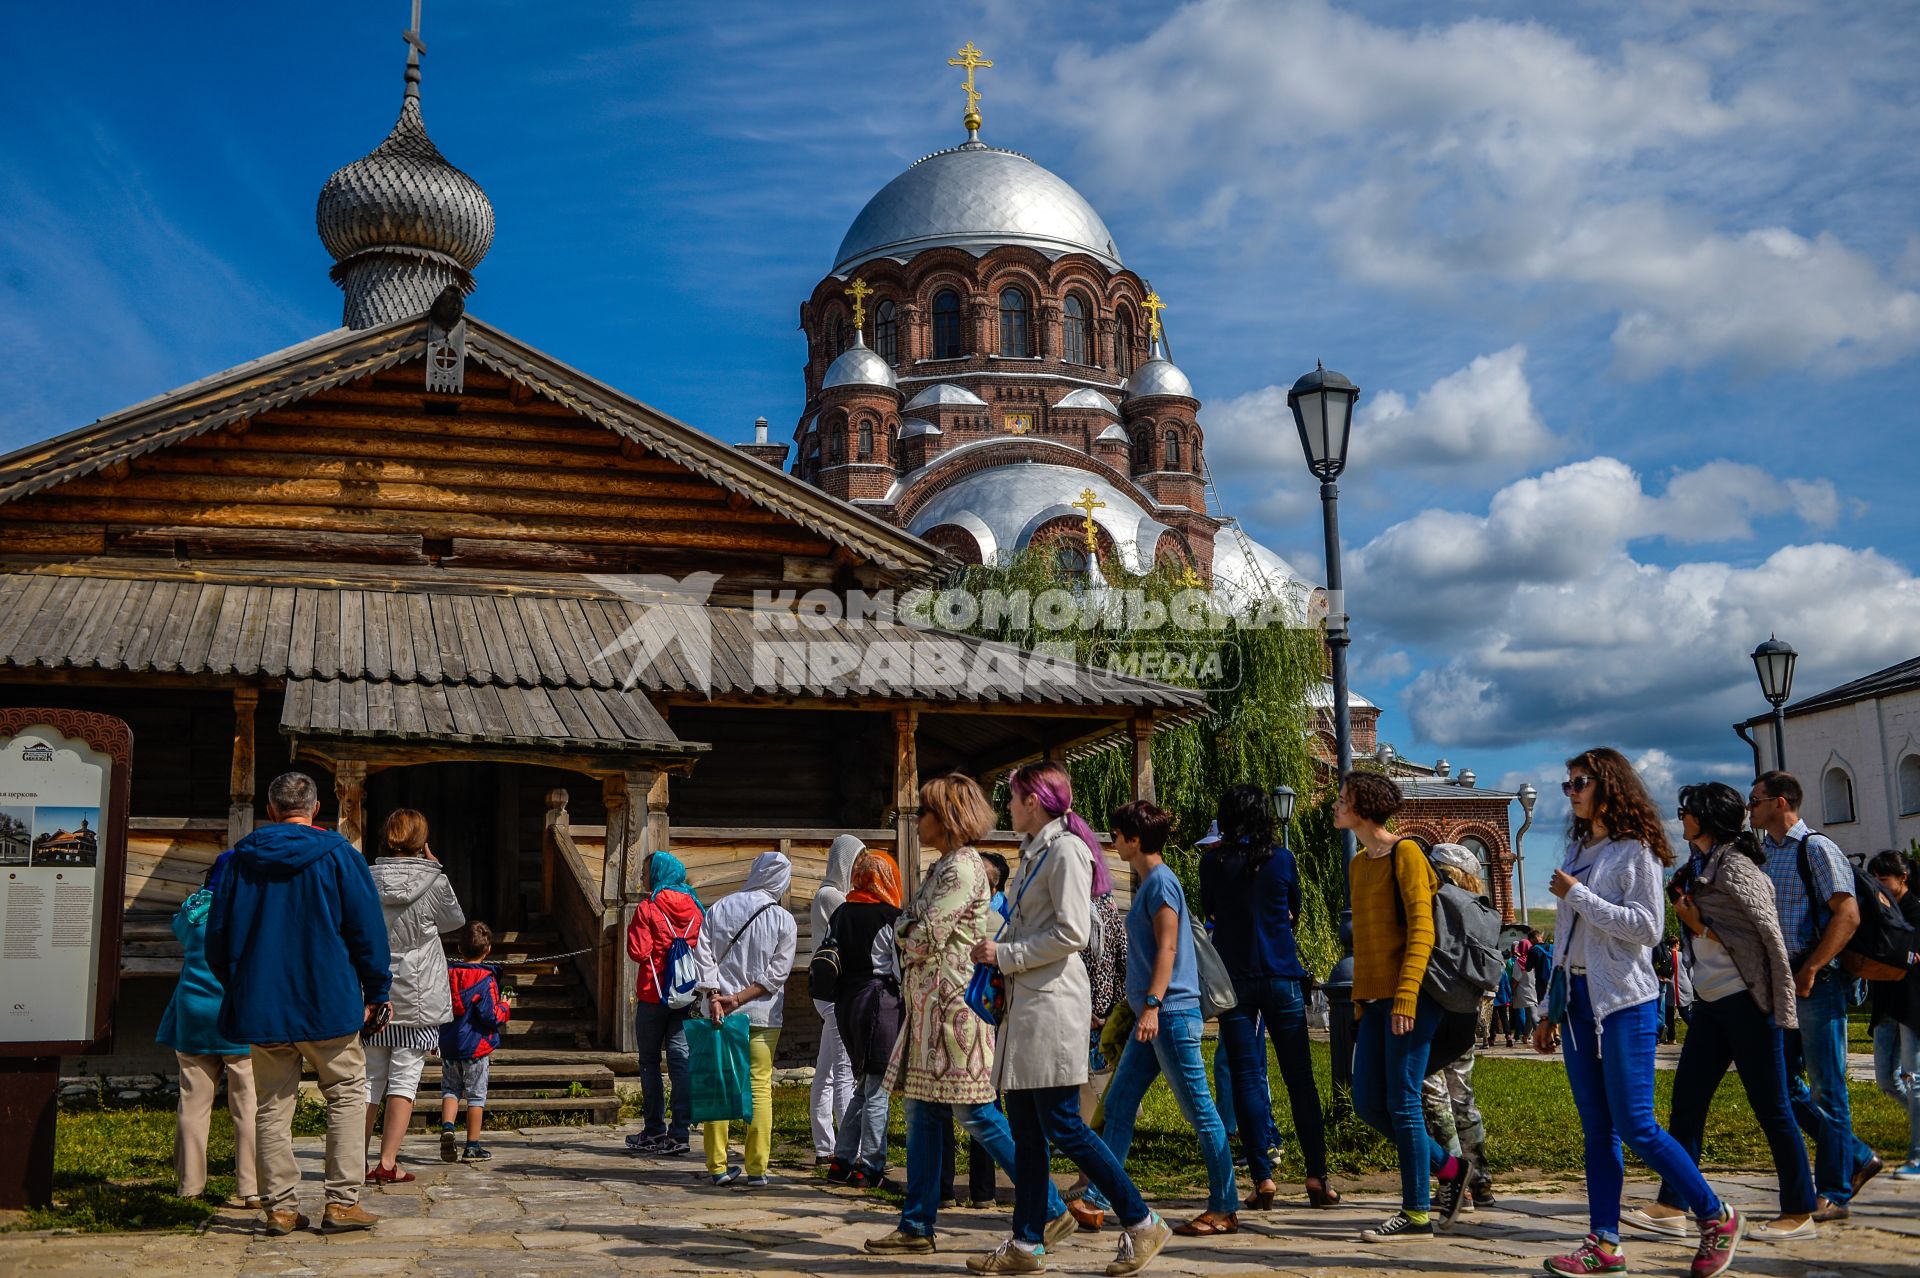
{"x": 246, "y": 702}
{"x": 1142, "y": 733}
{"x": 906, "y": 799}
{"x": 350, "y": 790}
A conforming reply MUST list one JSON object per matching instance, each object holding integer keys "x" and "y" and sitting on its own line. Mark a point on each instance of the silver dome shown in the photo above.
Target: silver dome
{"x": 975, "y": 197}
{"x": 1159, "y": 377}
{"x": 944, "y": 393}
{"x": 916, "y": 426}
{"x": 405, "y": 195}
{"x": 858, "y": 366}
{"x": 1087, "y": 397}
{"x": 1115, "y": 431}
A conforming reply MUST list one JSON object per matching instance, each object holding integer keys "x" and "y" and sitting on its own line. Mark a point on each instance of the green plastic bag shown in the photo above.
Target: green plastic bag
{"x": 717, "y": 1068}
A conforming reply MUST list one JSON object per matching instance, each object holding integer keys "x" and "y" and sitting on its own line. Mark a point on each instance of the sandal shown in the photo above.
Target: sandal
{"x": 394, "y": 1175}
{"x": 1261, "y": 1199}
{"x": 1088, "y": 1217}
{"x": 1209, "y": 1225}
{"x": 1321, "y": 1194}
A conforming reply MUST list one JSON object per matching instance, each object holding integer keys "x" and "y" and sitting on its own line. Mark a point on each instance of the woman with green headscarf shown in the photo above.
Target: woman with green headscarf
{"x": 671, "y": 912}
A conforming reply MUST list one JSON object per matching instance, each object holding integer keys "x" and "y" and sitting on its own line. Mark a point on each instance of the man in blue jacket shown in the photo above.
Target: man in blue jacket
{"x": 298, "y": 941}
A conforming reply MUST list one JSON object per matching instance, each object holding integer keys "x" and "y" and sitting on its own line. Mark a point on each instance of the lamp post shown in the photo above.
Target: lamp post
{"x": 1773, "y": 662}
{"x": 1322, "y": 405}
{"x": 1528, "y": 797}
{"x": 1283, "y": 801}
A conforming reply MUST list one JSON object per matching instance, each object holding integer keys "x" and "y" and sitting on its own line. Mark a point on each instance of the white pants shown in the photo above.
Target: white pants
{"x": 832, "y": 1083}
{"x": 393, "y": 1071}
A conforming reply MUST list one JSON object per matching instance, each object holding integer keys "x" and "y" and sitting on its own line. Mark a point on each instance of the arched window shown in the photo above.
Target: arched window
{"x": 1143, "y": 447}
{"x": 866, "y": 441}
{"x": 886, "y": 333}
{"x": 1071, "y": 558}
{"x": 893, "y": 445}
{"x": 1910, "y": 785}
{"x": 1123, "y": 344}
{"x": 1484, "y": 857}
{"x": 946, "y": 325}
{"x": 1074, "y": 343}
{"x": 1173, "y": 450}
{"x": 836, "y": 443}
{"x": 1013, "y": 324}
{"x": 1836, "y": 796}
{"x": 842, "y": 338}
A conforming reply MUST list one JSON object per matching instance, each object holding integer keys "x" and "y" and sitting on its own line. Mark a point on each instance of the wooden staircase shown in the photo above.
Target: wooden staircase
{"x": 552, "y": 1008}
{"x": 536, "y": 1094}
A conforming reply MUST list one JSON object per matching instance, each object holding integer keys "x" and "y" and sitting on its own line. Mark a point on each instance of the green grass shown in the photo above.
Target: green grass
{"x": 113, "y": 1168}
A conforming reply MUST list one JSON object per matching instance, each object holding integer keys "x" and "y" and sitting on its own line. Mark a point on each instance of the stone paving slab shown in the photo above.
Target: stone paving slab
{"x": 558, "y": 1202}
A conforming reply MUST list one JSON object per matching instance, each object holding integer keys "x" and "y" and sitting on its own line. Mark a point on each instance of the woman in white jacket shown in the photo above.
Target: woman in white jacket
{"x": 1612, "y": 912}
{"x": 832, "y": 1071}
{"x": 420, "y": 906}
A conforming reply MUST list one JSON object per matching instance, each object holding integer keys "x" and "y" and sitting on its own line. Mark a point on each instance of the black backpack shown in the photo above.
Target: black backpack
{"x": 1879, "y": 948}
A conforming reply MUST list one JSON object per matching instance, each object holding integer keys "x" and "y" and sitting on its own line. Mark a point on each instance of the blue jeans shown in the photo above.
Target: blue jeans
{"x": 1280, "y": 1003}
{"x": 1611, "y": 1074}
{"x": 1820, "y": 1102}
{"x": 659, "y": 1030}
{"x": 1046, "y": 1119}
{"x": 1734, "y": 1031}
{"x": 929, "y": 1123}
{"x": 1896, "y": 1071}
{"x": 1175, "y": 1052}
{"x": 1388, "y": 1069}
{"x": 862, "y": 1139}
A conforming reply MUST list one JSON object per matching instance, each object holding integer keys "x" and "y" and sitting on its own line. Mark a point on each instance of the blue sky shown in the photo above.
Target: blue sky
{"x": 1632, "y": 290}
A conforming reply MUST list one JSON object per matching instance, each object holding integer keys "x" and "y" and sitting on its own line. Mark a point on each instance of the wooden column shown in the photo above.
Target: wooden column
{"x": 240, "y": 782}
{"x": 556, "y": 816}
{"x": 613, "y": 793}
{"x": 1143, "y": 758}
{"x": 906, "y": 799}
{"x": 350, "y": 791}
{"x": 657, "y": 832}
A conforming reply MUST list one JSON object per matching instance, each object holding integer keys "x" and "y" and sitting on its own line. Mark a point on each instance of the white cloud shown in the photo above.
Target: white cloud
{"x": 1659, "y": 183}
{"x": 1481, "y": 415}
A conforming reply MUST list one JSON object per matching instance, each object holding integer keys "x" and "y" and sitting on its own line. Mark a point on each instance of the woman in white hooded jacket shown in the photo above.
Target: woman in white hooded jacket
{"x": 832, "y": 1070}
{"x": 419, "y": 906}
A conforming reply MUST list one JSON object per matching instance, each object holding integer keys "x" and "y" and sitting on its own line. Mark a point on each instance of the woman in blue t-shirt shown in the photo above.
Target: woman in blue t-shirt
{"x": 1251, "y": 891}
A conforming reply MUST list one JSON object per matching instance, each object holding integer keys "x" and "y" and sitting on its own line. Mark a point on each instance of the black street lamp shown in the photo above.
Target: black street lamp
{"x": 1322, "y": 404}
{"x": 1773, "y": 662}
{"x": 1283, "y": 801}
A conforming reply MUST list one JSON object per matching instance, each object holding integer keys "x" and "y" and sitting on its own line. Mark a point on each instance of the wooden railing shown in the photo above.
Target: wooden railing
{"x": 570, "y": 888}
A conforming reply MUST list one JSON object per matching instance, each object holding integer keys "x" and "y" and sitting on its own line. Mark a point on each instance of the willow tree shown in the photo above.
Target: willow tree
{"x": 1256, "y": 665}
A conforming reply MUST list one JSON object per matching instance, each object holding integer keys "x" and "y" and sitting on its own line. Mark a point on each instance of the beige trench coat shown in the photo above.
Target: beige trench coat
{"x": 1042, "y": 1040}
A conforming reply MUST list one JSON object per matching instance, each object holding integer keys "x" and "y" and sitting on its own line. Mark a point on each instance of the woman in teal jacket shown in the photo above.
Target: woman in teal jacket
{"x": 191, "y": 1028}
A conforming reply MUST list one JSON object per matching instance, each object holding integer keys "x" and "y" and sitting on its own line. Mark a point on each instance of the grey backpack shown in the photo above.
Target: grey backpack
{"x": 1465, "y": 966}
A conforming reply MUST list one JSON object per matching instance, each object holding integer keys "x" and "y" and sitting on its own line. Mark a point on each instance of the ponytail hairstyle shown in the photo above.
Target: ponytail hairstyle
{"x": 1246, "y": 819}
{"x": 1722, "y": 814}
{"x": 1621, "y": 802}
{"x": 1047, "y": 784}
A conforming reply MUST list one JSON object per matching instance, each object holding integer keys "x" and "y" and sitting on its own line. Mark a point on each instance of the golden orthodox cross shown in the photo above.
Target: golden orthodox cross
{"x": 860, "y": 291}
{"x": 1088, "y": 503}
{"x": 1153, "y": 306}
{"x": 971, "y": 59}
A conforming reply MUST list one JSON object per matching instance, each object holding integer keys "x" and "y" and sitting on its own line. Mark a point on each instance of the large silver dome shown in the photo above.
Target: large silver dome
{"x": 975, "y": 197}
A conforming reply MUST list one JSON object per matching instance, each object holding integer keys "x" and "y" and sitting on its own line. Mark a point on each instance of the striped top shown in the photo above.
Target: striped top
{"x": 421, "y": 1038}
{"x": 1391, "y": 945}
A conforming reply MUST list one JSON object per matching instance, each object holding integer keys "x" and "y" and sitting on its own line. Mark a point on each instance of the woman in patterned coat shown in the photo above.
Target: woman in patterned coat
{"x": 943, "y": 1060}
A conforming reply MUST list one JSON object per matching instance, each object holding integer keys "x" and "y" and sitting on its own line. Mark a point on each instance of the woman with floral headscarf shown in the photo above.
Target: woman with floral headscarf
{"x": 868, "y": 1014}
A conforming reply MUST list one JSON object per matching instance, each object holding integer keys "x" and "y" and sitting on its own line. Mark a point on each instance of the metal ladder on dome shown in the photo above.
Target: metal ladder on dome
{"x": 1217, "y": 510}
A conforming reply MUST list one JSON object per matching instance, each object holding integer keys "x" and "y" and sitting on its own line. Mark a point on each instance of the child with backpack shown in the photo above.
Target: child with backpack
{"x": 661, "y": 938}
{"x": 468, "y": 1040}
{"x": 1453, "y": 1116}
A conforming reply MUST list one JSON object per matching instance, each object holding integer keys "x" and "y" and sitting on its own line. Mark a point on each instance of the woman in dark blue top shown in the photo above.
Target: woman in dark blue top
{"x": 1251, "y": 891}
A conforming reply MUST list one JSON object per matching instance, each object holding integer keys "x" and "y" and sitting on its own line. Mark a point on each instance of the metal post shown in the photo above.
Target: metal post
{"x": 1339, "y": 984}
{"x": 1520, "y": 865}
{"x": 1779, "y": 737}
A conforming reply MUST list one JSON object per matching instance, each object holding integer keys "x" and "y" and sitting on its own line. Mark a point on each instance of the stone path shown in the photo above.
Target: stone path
{"x": 568, "y": 1200}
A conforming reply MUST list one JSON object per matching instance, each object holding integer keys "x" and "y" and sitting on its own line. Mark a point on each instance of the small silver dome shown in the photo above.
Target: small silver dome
{"x": 1115, "y": 431}
{"x": 858, "y": 366}
{"x": 915, "y": 426}
{"x": 975, "y": 197}
{"x": 944, "y": 393}
{"x": 1159, "y": 377}
{"x": 1087, "y": 397}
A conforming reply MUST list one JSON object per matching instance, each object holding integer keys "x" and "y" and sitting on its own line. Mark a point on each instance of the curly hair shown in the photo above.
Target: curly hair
{"x": 1620, "y": 802}
{"x": 1373, "y": 796}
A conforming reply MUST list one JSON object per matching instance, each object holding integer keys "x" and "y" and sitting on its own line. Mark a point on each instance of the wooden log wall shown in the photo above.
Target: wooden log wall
{"x": 801, "y": 768}
{"x": 167, "y": 862}
{"x": 381, "y": 472}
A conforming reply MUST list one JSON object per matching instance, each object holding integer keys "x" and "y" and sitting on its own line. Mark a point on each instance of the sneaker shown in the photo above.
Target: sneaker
{"x": 1907, "y": 1171}
{"x": 864, "y": 1179}
{"x": 1777, "y": 1230}
{"x": 1448, "y": 1193}
{"x": 983, "y": 1204}
{"x": 839, "y": 1173}
{"x": 1675, "y": 1226}
{"x": 1008, "y": 1259}
{"x": 671, "y": 1147}
{"x": 1864, "y": 1173}
{"x": 475, "y": 1152}
{"x": 1590, "y": 1257}
{"x": 450, "y": 1144}
{"x": 900, "y": 1243}
{"x": 339, "y": 1219}
{"x": 720, "y": 1180}
{"x": 1719, "y": 1239}
{"x": 1139, "y": 1246}
{"x": 282, "y": 1223}
{"x": 757, "y": 1182}
{"x": 1397, "y": 1227}
{"x": 639, "y": 1143}
{"x": 1827, "y": 1210}
{"x": 1480, "y": 1194}
{"x": 1059, "y": 1229}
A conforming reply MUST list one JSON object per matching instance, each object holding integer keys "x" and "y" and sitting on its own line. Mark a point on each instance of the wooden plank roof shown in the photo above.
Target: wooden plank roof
{"x": 595, "y": 719}
{"x": 262, "y": 627}
{"x": 345, "y": 355}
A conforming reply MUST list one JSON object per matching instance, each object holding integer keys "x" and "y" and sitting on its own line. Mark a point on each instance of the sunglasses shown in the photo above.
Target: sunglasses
{"x": 1763, "y": 799}
{"x": 1575, "y": 786}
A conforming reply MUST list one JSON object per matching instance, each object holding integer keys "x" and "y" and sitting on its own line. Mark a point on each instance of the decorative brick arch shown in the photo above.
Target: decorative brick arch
{"x": 951, "y": 469}
{"x": 1421, "y": 830}
{"x": 956, "y": 541}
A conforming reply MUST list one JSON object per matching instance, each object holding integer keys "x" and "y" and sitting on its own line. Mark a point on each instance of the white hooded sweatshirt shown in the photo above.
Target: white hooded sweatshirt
{"x": 750, "y": 938}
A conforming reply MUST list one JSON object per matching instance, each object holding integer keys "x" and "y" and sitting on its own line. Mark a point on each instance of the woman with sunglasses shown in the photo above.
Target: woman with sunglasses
{"x": 1609, "y": 919}
{"x": 1743, "y": 1000}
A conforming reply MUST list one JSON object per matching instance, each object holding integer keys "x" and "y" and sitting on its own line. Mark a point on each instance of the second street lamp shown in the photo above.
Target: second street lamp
{"x": 1773, "y": 662}
{"x": 1283, "y": 801}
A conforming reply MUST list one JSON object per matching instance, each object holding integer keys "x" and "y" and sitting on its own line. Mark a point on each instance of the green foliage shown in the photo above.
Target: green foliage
{"x": 1257, "y": 729}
